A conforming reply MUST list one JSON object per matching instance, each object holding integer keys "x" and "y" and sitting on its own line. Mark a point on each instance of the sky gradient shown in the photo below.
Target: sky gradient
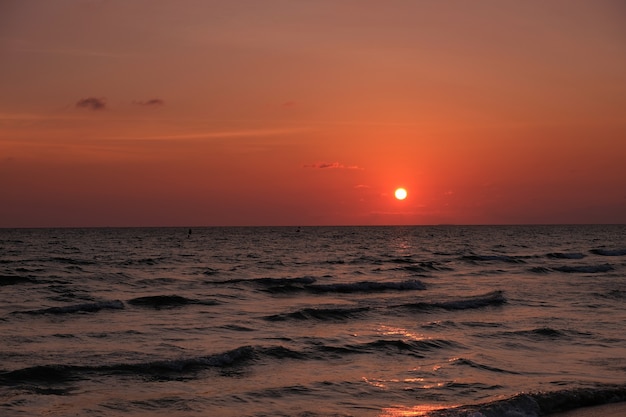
{"x": 311, "y": 112}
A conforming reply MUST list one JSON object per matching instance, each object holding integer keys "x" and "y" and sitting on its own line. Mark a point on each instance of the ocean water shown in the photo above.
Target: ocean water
{"x": 313, "y": 321}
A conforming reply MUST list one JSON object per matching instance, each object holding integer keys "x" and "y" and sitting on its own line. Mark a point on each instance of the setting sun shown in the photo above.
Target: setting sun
{"x": 401, "y": 193}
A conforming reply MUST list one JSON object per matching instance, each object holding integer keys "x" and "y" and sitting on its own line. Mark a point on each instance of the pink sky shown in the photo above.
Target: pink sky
{"x": 298, "y": 112}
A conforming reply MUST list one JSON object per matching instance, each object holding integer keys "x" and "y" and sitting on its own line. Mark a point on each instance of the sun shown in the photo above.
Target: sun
{"x": 400, "y": 193}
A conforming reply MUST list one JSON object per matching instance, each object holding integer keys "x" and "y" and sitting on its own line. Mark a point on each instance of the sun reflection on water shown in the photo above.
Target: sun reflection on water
{"x": 412, "y": 411}
{"x": 413, "y": 382}
{"x": 399, "y": 331}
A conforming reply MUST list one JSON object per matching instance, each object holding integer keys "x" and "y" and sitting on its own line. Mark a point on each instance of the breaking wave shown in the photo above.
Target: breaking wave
{"x": 539, "y": 404}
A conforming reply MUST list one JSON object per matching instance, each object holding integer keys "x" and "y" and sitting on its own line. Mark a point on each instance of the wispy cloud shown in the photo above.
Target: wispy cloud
{"x": 330, "y": 165}
{"x": 92, "y": 103}
{"x": 154, "y": 102}
{"x": 223, "y": 134}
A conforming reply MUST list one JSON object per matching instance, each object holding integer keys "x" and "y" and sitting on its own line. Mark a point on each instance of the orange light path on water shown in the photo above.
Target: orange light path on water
{"x": 412, "y": 411}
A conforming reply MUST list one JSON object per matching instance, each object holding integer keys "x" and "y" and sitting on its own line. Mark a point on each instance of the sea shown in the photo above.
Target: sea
{"x": 443, "y": 321}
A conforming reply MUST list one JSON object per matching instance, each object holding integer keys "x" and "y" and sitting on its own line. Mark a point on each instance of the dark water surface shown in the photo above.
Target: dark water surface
{"x": 313, "y": 321}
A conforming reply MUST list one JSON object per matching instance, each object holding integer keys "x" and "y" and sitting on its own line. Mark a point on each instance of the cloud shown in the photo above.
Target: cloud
{"x": 289, "y": 104}
{"x": 331, "y": 165}
{"x": 92, "y": 103}
{"x": 155, "y": 102}
{"x": 209, "y": 135}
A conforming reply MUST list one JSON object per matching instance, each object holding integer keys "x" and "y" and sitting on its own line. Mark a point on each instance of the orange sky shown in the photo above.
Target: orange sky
{"x": 301, "y": 112}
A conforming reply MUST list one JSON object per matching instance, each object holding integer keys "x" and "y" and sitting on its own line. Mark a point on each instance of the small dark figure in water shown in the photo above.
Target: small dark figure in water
{"x": 189, "y": 234}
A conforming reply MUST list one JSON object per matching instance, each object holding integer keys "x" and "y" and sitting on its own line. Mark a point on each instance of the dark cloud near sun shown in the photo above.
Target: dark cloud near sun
{"x": 331, "y": 165}
{"x": 154, "y": 102}
{"x": 92, "y": 103}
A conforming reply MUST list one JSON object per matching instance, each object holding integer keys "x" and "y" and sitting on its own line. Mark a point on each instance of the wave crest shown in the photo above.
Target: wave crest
{"x": 166, "y": 301}
{"x": 15, "y": 279}
{"x": 367, "y": 286}
{"x": 57, "y": 373}
{"x": 328, "y": 314}
{"x": 79, "y": 308}
{"x": 609, "y": 252}
{"x": 494, "y": 298}
{"x": 493, "y": 258}
{"x": 561, "y": 255}
{"x": 586, "y": 269}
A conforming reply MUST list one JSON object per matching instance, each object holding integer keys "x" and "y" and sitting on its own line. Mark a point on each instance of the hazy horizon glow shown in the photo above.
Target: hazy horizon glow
{"x": 168, "y": 113}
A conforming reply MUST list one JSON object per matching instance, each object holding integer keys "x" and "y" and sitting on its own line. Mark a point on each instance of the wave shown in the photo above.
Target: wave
{"x": 366, "y": 259}
{"x": 540, "y": 403}
{"x": 154, "y": 282}
{"x": 72, "y": 261}
{"x": 268, "y": 281}
{"x": 609, "y": 252}
{"x": 491, "y": 258}
{"x": 283, "y": 281}
{"x": 271, "y": 285}
{"x": 58, "y": 373}
{"x": 494, "y": 298}
{"x": 167, "y": 301}
{"x": 144, "y": 261}
{"x": 587, "y": 269}
{"x": 545, "y": 333}
{"x": 402, "y": 260}
{"x": 329, "y": 314}
{"x": 613, "y": 294}
{"x": 561, "y": 255}
{"x": 367, "y": 286}
{"x": 476, "y": 365}
{"x": 416, "y": 348}
{"x": 78, "y": 308}
{"x": 15, "y": 279}
{"x": 280, "y": 285}
{"x": 236, "y": 328}
{"x": 573, "y": 269}
{"x": 424, "y": 267}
